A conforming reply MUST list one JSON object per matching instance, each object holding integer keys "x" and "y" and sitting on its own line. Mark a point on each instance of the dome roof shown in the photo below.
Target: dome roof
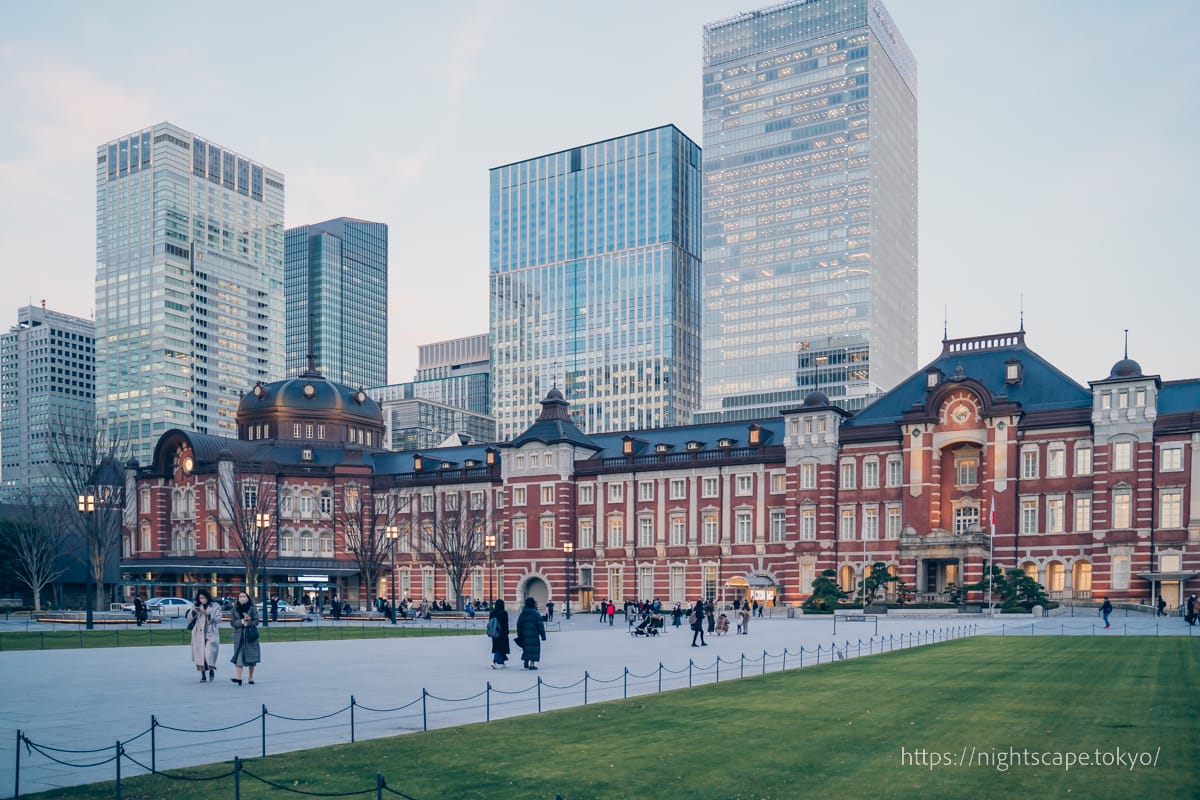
{"x": 1126, "y": 368}
{"x": 309, "y": 393}
{"x": 816, "y": 399}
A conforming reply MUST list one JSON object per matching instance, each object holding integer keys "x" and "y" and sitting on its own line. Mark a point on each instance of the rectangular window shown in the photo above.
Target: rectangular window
{"x": 1083, "y": 513}
{"x": 144, "y": 495}
{"x": 616, "y": 532}
{"x": 1083, "y": 459}
{"x": 477, "y": 500}
{"x": 427, "y": 583}
{"x": 808, "y": 524}
{"x": 744, "y": 527}
{"x": 645, "y": 581}
{"x": 427, "y": 502}
{"x": 870, "y": 523}
{"x": 249, "y": 496}
{"x": 645, "y": 531}
{"x": 848, "y": 475}
{"x": 1141, "y": 397}
{"x": 871, "y": 474}
{"x": 1029, "y": 516}
{"x": 645, "y": 490}
{"x": 520, "y": 535}
{"x": 518, "y": 495}
{"x": 895, "y": 471}
{"x": 846, "y": 525}
{"x": 678, "y": 489}
{"x": 808, "y": 476}
{"x": 548, "y": 538}
{"x": 708, "y": 487}
{"x": 778, "y": 525}
{"x": 616, "y": 589}
{"x": 1056, "y": 462}
{"x": 808, "y": 574}
{"x": 587, "y": 534}
{"x": 616, "y": 492}
{"x": 548, "y": 495}
{"x": 678, "y": 585}
{"x": 894, "y": 522}
{"x": 587, "y": 493}
{"x": 520, "y": 462}
{"x": 1170, "y": 509}
{"x": 1121, "y": 508}
{"x": 678, "y": 531}
{"x": 710, "y": 582}
{"x": 966, "y": 471}
{"x": 1171, "y": 459}
{"x": 710, "y": 529}
{"x": 1029, "y": 464}
{"x": 450, "y": 501}
{"x": 1106, "y": 401}
{"x": 1120, "y": 572}
{"x": 778, "y": 482}
{"x": 1122, "y": 456}
{"x": 1055, "y": 516}
{"x": 1122, "y": 399}
{"x": 745, "y": 485}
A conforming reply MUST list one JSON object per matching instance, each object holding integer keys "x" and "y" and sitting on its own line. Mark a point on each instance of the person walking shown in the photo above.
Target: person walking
{"x": 1162, "y": 606}
{"x": 204, "y": 620}
{"x": 500, "y": 639}
{"x": 676, "y": 616}
{"x": 246, "y": 650}
{"x": 1193, "y": 609}
{"x": 697, "y": 621}
{"x": 531, "y": 632}
{"x": 612, "y": 613}
{"x": 139, "y": 609}
{"x": 549, "y": 611}
{"x": 1105, "y": 610}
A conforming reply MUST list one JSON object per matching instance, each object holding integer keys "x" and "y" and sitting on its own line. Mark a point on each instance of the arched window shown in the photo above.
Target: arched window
{"x": 1054, "y": 576}
{"x": 306, "y": 543}
{"x": 1030, "y": 569}
{"x": 846, "y": 579}
{"x": 1081, "y": 578}
{"x": 287, "y": 542}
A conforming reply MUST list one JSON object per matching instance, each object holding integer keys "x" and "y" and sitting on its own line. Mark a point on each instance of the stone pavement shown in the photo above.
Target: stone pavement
{"x": 90, "y": 698}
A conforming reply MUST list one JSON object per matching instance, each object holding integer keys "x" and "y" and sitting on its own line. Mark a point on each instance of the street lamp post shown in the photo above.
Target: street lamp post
{"x": 569, "y": 555}
{"x": 489, "y": 541}
{"x": 87, "y": 505}
{"x": 393, "y": 535}
{"x": 262, "y": 521}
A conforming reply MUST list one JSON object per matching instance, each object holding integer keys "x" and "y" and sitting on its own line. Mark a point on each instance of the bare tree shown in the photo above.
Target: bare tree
{"x": 455, "y": 536}
{"x": 89, "y": 462}
{"x": 246, "y": 516}
{"x": 363, "y": 522}
{"x": 35, "y": 538}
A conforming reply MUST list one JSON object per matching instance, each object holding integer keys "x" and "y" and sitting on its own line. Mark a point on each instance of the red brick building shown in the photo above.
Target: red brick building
{"x": 1094, "y": 490}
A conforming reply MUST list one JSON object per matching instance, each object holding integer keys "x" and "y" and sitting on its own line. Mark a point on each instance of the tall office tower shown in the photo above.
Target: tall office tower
{"x": 810, "y": 207}
{"x": 336, "y": 287}
{"x": 189, "y": 284}
{"x": 47, "y": 387}
{"x": 595, "y": 283}
{"x": 457, "y": 372}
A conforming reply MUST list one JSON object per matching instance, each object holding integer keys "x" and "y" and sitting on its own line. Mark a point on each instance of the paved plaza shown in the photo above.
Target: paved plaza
{"x": 90, "y": 698}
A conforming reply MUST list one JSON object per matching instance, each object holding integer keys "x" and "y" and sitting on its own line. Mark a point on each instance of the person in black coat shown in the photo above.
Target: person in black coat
{"x": 500, "y": 640}
{"x": 531, "y": 632}
{"x": 698, "y": 621}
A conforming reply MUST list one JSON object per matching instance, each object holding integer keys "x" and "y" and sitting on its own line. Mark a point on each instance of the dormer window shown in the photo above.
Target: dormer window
{"x": 627, "y": 445}
{"x": 417, "y": 462}
{"x": 932, "y": 379}
{"x": 470, "y": 462}
{"x": 755, "y": 434}
{"x": 662, "y": 448}
{"x": 306, "y": 454}
{"x": 1013, "y": 371}
{"x": 447, "y": 465}
{"x": 725, "y": 443}
{"x": 694, "y": 445}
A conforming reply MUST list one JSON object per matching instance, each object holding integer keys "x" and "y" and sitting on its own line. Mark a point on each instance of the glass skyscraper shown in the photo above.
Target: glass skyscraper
{"x": 336, "y": 286}
{"x": 810, "y": 207}
{"x": 189, "y": 283}
{"x": 595, "y": 283}
{"x": 47, "y": 389}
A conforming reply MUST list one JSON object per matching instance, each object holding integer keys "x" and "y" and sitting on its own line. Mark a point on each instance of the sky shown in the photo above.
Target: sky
{"x": 1058, "y": 150}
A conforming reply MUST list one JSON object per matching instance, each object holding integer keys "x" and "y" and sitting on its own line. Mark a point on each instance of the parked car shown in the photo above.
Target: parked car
{"x": 168, "y": 606}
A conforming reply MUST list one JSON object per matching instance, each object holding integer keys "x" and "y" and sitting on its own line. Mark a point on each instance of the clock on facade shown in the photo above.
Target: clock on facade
{"x": 960, "y": 414}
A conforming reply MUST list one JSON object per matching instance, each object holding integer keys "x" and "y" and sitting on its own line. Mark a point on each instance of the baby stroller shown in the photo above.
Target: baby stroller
{"x": 722, "y": 625}
{"x": 652, "y": 625}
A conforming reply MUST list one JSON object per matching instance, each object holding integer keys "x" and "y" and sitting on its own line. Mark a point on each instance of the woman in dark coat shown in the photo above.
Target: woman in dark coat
{"x": 500, "y": 640}
{"x": 530, "y": 633}
{"x": 246, "y": 653}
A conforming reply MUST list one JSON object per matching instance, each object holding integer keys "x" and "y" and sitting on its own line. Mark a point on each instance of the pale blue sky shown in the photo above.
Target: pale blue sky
{"x": 1058, "y": 149}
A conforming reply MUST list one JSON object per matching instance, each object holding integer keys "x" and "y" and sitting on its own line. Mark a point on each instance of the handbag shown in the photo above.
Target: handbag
{"x": 192, "y": 623}
{"x": 252, "y": 633}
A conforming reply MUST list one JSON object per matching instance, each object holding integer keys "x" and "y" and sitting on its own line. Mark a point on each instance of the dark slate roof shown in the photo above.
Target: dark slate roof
{"x": 610, "y": 445}
{"x": 1179, "y": 397}
{"x": 322, "y": 395}
{"x": 1043, "y": 387}
{"x": 554, "y": 425}
{"x": 400, "y": 462}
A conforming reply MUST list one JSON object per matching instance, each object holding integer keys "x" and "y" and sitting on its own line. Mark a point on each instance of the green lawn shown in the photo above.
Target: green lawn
{"x": 830, "y": 731}
{"x": 154, "y": 635}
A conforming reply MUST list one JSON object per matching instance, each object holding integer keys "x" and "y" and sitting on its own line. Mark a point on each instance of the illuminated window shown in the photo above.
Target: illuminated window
{"x": 808, "y": 476}
{"x": 808, "y": 524}
{"x": 1122, "y": 456}
{"x": 1083, "y": 513}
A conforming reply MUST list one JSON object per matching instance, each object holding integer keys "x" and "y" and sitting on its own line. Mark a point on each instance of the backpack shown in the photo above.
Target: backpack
{"x": 493, "y": 627}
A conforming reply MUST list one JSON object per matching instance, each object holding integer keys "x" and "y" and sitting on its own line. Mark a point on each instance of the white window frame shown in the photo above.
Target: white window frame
{"x": 616, "y": 492}
{"x": 646, "y": 491}
{"x": 808, "y": 523}
{"x": 778, "y": 483}
{"x": 1122, "y": 508}
{"x": 520, "y": 534}
{"x": 1083, "y": 459}
{"x": 870, "y": 473}
{"x": 1082, "y": 521}
{"x": 847, "y": 521}
{"x": 519, "y": 496}
{"x": 587, "y": 493}
{"x": 645, "y": 531}
{"x": 1029, "y": 515}
{"x": 743, "y": 523}
{"x": 1122, "y": 456}
{"x": 871, "y": 523}
{"x": 678, "y": 530}
{"x": 1170, "y": 459}
{"x": 548, "y": 494}
{"x": 778, "y": 525}
{"x": 808, "y": 476}
{"x": 709, "y": 486}
{"x": 895, "y": 471}
{"x": 1056, "y": 461}
{"x": 895, "y": 521}
{"x": 587, "y": 534}
{"x": 616, "y": 531}
{"x": 1029, "y": 463}
{"x": 1170, "y": 508}
{"x": 710, "y": 529}
{"x": 678, "y": 489}
{"x": 848, "y": 474}
{"x": 1056, "y": 513}
{"x": 744, "y": 485}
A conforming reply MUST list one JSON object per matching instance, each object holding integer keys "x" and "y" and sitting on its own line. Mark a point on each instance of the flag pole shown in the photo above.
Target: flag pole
{"x": 991, "y": 559}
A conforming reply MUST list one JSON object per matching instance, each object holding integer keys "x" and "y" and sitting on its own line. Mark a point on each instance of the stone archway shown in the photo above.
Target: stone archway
{"x": 534, "y": 586}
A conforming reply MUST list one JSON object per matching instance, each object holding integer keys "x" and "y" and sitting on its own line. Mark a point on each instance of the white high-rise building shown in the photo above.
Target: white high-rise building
{"x": 810, "y": 207}
{"x": 189, "y": 283}
{"x": 47, "y": 389}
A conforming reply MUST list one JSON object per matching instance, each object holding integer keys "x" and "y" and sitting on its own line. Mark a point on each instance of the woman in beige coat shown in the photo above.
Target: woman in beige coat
{"x": 205, "y": 619}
